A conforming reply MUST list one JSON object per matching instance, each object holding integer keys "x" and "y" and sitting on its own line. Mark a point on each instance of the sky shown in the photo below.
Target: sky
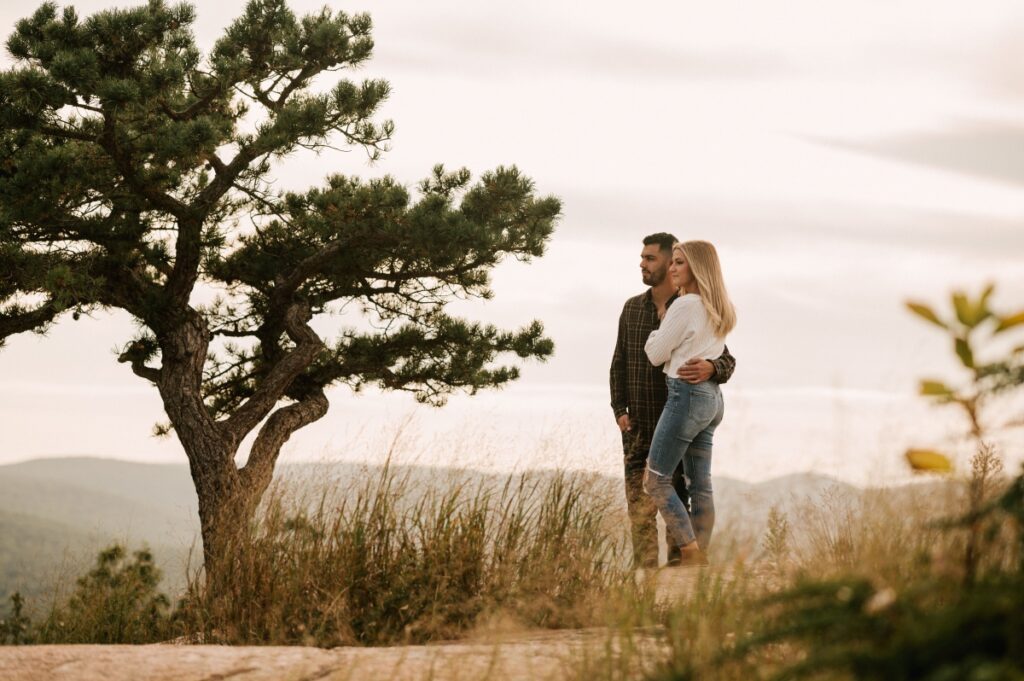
{"x": 844, "y": 157}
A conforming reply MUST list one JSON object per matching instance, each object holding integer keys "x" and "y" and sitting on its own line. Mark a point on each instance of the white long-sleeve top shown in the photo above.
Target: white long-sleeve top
{"x": 685, "y": 333}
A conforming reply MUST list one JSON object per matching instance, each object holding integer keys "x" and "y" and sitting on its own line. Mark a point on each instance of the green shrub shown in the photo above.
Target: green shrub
{"x": 116, "y": 602}
{"x": 16, "y": 628}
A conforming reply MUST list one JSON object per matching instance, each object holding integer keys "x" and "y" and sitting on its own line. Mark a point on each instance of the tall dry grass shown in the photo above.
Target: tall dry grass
{"x": 392, "y": 561}
{"x": 840, "y": 565}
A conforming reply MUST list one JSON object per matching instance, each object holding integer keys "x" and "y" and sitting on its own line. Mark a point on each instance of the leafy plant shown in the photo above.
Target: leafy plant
{"x": 115, "y": 602}
{"x": 16, "y": 627}
{"x": 972, "y": 323}
{"x": 943, "y": 625}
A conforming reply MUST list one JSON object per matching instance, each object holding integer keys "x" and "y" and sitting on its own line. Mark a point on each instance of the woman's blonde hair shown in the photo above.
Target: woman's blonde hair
{"x": 703, "y": 260}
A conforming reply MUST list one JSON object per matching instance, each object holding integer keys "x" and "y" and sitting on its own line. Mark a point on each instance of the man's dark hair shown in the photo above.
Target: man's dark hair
{"x": 663, "y": 239}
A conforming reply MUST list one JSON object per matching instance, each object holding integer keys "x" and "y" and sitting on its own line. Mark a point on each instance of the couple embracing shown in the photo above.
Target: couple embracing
{"x": 670, "y": 358}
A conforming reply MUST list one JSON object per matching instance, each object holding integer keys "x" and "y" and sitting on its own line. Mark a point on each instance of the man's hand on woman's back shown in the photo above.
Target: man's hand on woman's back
{"x": 696, "y": 371}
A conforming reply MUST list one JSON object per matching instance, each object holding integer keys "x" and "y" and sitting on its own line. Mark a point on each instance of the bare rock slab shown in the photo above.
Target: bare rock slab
{"x": 543, "y": 655}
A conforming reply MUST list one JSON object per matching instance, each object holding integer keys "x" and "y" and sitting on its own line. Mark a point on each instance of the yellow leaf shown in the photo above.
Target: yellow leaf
{"x": 925, "y": 312}
{"x": 964, "y": 352}
{"x": 935, "y": 389}
{"x": 1010, "y": 322}
{"x": 985, "y": 295}
{"x": 971, "y": 313}
{"x": 963, "y": 308}
{"x": 928, "y": 460}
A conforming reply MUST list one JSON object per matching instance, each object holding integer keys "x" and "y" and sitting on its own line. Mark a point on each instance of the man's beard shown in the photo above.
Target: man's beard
{"x": 654, "y": 278}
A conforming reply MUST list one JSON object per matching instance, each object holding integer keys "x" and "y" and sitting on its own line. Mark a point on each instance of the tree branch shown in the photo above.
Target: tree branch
{"x": 272, "y": 388}
{"x": 136, "y": 354}
{"x": 122, "y": 160}
{"x": 192, "y": 109}
{"x": 259, "y": 469}
{"x": 300, "y": 78}
{"x": 187, "y": 253}
{"x": 225, "y": 177}
{"x": 64, "y": 133}
{"x": 286, "y": 286}
{"x": 11, "y": 324}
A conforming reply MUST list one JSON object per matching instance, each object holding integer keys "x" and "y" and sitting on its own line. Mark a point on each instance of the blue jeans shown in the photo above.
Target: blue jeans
{"x": 684, "y": 431}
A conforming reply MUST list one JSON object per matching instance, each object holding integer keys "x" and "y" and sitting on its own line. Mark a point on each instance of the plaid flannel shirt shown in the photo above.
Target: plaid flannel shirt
{"x": 637, "y": 387}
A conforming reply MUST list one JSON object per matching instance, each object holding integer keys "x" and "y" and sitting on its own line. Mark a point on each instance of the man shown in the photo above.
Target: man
{"x": 639, "y": 393}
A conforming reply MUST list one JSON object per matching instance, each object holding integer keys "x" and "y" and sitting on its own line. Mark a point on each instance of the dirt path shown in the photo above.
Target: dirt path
{"x": 524, "y": 655}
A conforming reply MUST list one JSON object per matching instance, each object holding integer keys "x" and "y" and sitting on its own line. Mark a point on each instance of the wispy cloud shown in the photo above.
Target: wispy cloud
{"x": 783, "y": 224}
{"x": 990, "y": 150}
{"x": 488, "y": 50}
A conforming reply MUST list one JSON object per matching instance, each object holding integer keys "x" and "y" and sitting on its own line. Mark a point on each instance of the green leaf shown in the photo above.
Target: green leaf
{"x": 928, "y": 460}
{"x": 1010, "y": 322}
{"x": 962, "y": 308}
{"x": 985, "y": 295}
{"x": 970, "y": 314}
{"x": 964, "y": 352}
{"x": 925, "y": 312}
{"x": 981, "y": 313}
{"x": 935, "y": 389}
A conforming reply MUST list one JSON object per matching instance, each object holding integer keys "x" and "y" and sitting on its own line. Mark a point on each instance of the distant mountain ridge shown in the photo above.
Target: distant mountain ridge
{"x": 55, "y": 514}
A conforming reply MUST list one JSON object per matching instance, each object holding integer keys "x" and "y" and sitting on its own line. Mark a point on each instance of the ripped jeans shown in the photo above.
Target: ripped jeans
{"x": 684, "y": 431}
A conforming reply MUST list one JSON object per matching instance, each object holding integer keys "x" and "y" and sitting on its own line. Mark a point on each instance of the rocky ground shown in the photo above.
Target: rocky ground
{"x": 499, "y": 654}
{"x": 544, "y": 655}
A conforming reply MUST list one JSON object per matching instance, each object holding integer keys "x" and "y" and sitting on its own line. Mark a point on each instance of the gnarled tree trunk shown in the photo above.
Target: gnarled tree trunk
{"x": 228, "y": 495}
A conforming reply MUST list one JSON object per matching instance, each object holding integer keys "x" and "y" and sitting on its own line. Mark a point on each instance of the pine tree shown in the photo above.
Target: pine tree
{"x": 134, "y": 175}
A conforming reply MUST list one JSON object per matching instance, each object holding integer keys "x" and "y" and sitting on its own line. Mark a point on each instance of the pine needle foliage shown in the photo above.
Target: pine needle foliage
{"x": 136, "y": 174}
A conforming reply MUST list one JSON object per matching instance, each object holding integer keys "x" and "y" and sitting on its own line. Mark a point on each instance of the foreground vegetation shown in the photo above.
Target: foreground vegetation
{"x": 877, "y": 591}
{"x": 931, "y": 589}
{"x": 388, "y": 562}
{"x": 868, "y": 585}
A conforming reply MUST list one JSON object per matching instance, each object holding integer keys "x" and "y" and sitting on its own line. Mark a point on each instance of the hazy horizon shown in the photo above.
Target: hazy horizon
{"x": 316, "y": 464}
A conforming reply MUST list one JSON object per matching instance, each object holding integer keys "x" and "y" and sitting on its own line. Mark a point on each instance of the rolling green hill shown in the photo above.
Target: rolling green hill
{"x": 55, "y": 514}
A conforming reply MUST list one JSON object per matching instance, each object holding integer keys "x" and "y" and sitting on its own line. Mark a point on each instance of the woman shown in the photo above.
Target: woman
{"x": 694, "y": 326}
